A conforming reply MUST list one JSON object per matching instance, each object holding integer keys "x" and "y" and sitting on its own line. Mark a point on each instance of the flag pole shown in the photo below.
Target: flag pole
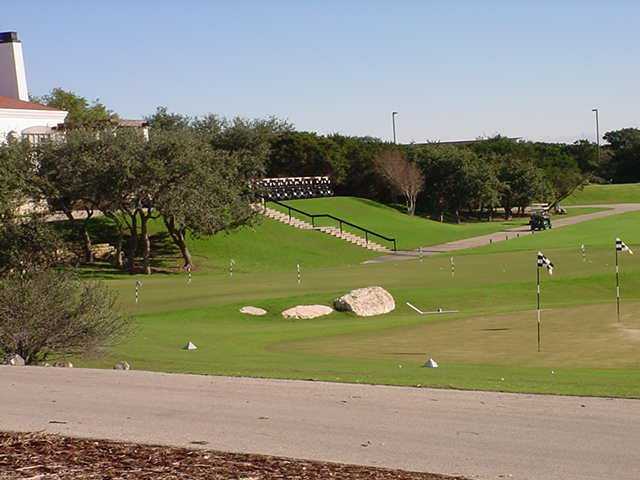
{"x": 617, "y": 285}
{"x": 538, "y": 295}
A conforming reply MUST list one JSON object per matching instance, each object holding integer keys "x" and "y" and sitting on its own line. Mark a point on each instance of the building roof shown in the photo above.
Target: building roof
{"x": 15, "y": 104}
{"x": 123, "y": 122}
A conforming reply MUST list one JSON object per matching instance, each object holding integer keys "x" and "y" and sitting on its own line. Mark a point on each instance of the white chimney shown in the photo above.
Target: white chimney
{"x": 13, "y": 79}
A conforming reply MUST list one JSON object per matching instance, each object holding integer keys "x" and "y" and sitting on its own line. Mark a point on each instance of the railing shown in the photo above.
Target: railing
{"x": 340, "y": 221}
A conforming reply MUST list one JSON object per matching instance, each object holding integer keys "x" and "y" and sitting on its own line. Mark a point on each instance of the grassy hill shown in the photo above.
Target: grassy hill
{"x": 603, "y": 194}
{"x": 410, "y": 231}
{"x": 265, "y": 246}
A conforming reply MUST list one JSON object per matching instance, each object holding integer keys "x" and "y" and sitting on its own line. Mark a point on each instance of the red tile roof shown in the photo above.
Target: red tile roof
{"x": 15, "y": 104}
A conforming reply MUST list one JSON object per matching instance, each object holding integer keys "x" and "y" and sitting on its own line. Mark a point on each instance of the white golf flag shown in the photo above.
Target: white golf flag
{"x": 622, "y": 247}
{"x": 545, "y": 262}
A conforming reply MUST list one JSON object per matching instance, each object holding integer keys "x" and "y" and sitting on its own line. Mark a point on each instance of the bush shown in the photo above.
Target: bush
{"x": 29, "y": 245}
{"x": 53, "y": 313}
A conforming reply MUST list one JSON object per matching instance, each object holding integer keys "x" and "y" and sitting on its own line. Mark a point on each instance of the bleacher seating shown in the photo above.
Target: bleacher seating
{"x": 290, "y": 188}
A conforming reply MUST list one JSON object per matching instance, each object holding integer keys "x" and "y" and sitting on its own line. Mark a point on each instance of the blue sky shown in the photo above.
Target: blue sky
{"x": 452, "y": 69}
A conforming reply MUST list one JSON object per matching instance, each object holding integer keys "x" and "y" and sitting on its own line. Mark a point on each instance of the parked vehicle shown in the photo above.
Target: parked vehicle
{"x": 539, "y": 221}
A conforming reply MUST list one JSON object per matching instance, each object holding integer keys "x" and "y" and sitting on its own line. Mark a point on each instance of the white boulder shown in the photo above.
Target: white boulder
{"x": 305, "y": 312}
{"x": 253, "y": 311}
{"x": 14, "y": 360}
{"x": 122, "y": 366}
{"x": 366, "y": 302}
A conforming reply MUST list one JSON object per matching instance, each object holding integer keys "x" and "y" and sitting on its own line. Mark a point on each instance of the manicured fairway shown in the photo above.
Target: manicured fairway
{"x": 490, "y": 344}
{"x": 603, "y": 194}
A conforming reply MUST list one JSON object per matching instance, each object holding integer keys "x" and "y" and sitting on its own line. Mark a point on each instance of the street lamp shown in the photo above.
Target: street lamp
{"x": 597, "y": 132}
{"x": 393, "y": 121}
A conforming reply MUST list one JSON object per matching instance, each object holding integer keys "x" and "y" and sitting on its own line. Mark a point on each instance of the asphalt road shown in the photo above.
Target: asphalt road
{"x": 509, "y": 234}
{"x": 477, "y": 434}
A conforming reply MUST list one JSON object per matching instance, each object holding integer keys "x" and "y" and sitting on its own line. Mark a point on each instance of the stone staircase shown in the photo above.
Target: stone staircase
{"x": 333, "y": 231}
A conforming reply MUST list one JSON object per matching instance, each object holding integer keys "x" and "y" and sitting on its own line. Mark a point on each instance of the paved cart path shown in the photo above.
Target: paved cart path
{"x": 509, "y": 234}
{"x": 478, "y": 434}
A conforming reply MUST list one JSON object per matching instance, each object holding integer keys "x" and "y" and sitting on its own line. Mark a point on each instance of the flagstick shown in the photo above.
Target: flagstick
{"x": 299, "y": 274}
{"x": 188, "y": 274}
{"x": 453, "y": 267}
{"x": 538, "y": 282}
{"x": 617, "y": 285}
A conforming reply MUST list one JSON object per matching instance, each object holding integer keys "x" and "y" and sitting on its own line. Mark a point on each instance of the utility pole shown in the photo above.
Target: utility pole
{"x": 393, "y": 121}
{"x": 597, "y": 132}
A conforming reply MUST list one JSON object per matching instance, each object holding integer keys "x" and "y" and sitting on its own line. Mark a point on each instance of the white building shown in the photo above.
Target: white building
{"x": 18, "y": 116}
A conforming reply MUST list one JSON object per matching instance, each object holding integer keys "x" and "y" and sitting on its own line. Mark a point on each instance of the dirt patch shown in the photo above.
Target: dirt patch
{"x": 48, "y": 457}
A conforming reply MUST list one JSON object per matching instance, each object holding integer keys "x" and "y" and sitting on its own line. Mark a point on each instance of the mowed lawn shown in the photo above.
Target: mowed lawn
{"x": 490, "y": 344}
{"x": 604, "y": 194}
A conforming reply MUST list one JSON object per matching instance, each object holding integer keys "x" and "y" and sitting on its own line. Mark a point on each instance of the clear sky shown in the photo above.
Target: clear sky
{"x": 452, "y": 69}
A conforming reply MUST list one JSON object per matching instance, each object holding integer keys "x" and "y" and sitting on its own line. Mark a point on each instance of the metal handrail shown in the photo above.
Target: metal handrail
{"x": 340, "y": 221}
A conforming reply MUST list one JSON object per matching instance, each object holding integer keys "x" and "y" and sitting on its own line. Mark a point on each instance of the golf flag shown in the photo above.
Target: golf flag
{"x": 545, "y": 262}
{"x": 622, "y": 247}
{"x": 548, "y": 264}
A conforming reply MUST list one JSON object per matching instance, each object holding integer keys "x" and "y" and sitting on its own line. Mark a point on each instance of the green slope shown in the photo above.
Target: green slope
{"x": 410, "y": 231}
{"x": 603, "y": 194}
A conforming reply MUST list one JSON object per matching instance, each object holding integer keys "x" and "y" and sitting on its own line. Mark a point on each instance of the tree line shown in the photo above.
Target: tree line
{"x": 194, "y": 175}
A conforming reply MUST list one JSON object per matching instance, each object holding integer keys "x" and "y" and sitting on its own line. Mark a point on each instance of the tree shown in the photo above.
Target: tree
{"x": 521, "y": 182}
{"x": 82, "y": 112}
{"x": 205, "y": 190}
{"x": 54, "y": 313}
{"x": 404, "y": 176}
{"x": 14, "y": 164}
{"x": 65, "y": 176}
{"x": 625, "y": 154}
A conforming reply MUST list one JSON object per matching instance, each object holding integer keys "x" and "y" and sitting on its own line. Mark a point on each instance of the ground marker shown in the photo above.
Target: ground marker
{"x": 138, "y": 285}
{"x": 190, "y": 346}
{"x": 437, "y": 311}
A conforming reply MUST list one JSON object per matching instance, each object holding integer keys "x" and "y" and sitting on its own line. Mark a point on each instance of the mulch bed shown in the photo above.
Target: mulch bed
{"x": 38, "y": 456}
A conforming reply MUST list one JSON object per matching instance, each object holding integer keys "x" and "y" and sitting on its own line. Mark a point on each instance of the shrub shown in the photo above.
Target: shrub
{"x": 53, "y": 313}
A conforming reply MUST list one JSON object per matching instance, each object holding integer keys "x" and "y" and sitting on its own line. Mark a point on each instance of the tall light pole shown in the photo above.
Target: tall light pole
{"x": 597, "y": 132}
{"x": 393, "y": 121}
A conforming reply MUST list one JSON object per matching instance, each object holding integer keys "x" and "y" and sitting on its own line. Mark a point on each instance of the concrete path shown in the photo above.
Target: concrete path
{"x": 509, "y": 234}
{"x": 480, "y": 435}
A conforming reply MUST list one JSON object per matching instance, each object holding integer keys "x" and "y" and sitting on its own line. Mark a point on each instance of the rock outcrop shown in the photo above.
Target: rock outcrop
{"x": 366, "y": 302}
{"x": 306, "y": 312}
{"x": 248, "y": 310}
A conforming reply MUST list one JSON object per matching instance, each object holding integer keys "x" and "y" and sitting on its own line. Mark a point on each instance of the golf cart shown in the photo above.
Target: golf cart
{"x": 539, "y": 220}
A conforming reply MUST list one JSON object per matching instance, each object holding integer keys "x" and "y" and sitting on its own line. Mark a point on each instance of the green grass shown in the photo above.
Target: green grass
{"x": 593, "y": 234}
{"x": 604, "y": 194}
{"x": 489, "y": 345}
{"x": 410, "y": 231}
